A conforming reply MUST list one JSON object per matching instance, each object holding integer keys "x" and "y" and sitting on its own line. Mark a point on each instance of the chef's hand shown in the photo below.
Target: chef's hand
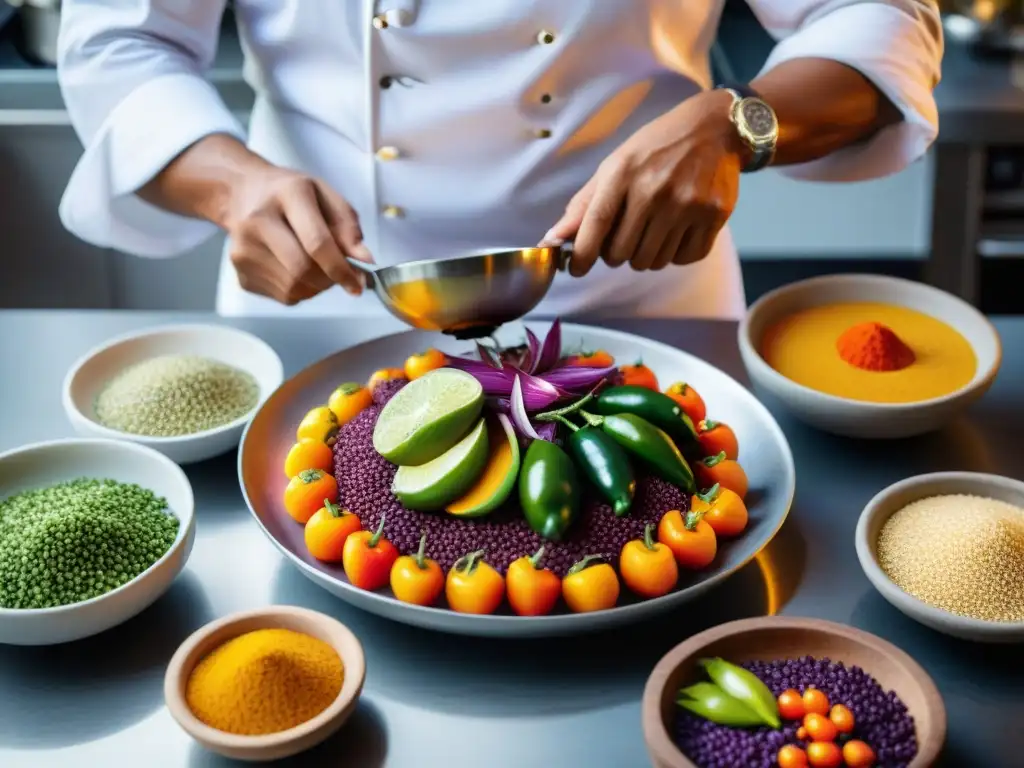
{"x": 289, "y": 235}
{"x": 663, "y": 196}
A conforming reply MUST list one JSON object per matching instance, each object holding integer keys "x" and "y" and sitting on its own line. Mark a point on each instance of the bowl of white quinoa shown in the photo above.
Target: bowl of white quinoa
{"x": 186, "y": 391}
{"x": 947, "y": 549}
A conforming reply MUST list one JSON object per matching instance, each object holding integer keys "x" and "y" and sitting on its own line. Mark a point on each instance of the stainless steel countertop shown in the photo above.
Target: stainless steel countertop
{"x": 435, "y": 700}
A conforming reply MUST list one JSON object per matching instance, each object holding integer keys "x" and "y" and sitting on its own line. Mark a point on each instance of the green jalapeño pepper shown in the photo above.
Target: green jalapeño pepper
{"x": 605, "y": 464}
{"x": 654, "y": 407}
{"x": 648, "y": 443}
{"x": 549, "y": 491}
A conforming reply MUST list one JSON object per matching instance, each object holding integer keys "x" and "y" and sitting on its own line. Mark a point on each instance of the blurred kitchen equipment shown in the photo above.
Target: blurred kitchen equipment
{"x": 467, "y": 296}
{"x": 40, "y": 23}
{"x": 991, "y": 25}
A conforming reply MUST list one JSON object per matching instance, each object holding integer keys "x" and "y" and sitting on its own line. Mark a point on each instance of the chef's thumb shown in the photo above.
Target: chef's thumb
{"x": 567, "y": 226}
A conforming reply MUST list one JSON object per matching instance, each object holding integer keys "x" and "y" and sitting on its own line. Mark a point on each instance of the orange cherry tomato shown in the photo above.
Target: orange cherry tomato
{"x": 367, "y": 558}
{"x": 791, "y": 705}
{"x": 348, "y": 401}
{"x": 473, "y": 586}
{"x": 819, "y": 727}
{"x": 423, "y": 362}
{"x": 691, "y": 539}
{"x": 305, "y": 493}
{"x": 688, "y": 399}
{"x": 718, "y": 470}
{"x": 815, "y": 702}
{"x": 842, "y": 718}
{"x": 532, "y": 590}
{"x": 716, "y": 437}
{"x": 791, "y": 756}
{"x": 327, "y": 530}
{"x": 639, "y": 375}
{"x": 857, "y": 754}
{"x": 801, "y": 733}
{"x": 308, "y": 454}
{"x": 319, "y": 424}
{"x": 596, "y": 359}
{"x": 416, "y": 578}
{"x": 824, "y": 754}
{"x": 590, "y": 585}
{"x": 648, "y": 567}
{"x": 724, "y": 511}
{"x": 383, "y": 375}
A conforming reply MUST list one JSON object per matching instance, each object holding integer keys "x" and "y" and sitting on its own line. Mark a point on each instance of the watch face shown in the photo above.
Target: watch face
{"x": 759, "y": 118}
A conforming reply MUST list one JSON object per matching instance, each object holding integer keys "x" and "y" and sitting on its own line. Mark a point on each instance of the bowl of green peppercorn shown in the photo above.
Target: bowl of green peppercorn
{"x": 186, "y": 391}
{"x": 92, "y": 532}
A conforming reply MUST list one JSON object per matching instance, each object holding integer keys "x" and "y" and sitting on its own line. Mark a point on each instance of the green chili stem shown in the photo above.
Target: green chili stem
{"x": 712, "y": 461}
{"x": 585, "y": 563}
{"x": 535, "y": 558}
{"x": 468, "y": 563}
{"x": 708, "y": 495}
{"x": 709, "y": 425}
{"x": 350, "y": 388}
{"x": 560, "y": 420}
{"x": 375, "y": 539}
{"x": 649, "y": 536}
{"x": 551, "y": 415}
{"x": 332, "y": 509}
{"x": 591, "y": 419}
{"x": 692, "y": 518}
{"x": 421, "y": 559}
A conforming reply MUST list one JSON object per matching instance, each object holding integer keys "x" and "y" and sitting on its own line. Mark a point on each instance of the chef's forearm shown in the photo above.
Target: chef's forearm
{"x": 822, "y": 106}
{"x": 198, "y": 182}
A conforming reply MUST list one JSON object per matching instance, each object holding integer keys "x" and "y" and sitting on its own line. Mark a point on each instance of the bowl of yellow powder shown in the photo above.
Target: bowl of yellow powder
{"x": 947, "y": 549}
{"x": 186, "y": 391}
{"x": 869, "y": 356}
{"x": 265, "y": 684}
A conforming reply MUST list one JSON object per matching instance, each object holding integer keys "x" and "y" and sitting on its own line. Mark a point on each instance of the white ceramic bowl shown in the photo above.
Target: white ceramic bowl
{"x": 895, "y": 497}
{"x": 854, "y": 418}
{"x": 42, "y": 464}
{"x": 237, "y": 348}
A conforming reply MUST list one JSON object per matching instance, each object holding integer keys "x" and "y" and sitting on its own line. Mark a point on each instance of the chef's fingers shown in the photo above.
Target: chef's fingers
{"x": 261, "y": 273}
{"x": 700, "y": 240}
{"x": 567, "y": 227}
{"x": 299, "y": 274}
{"x": 623, "y": 242}
{"x": 310, "y": 225}
{"x": 652, "y": 253}
{"x": 599, "y": 219}
{"x": 344, "y": 222}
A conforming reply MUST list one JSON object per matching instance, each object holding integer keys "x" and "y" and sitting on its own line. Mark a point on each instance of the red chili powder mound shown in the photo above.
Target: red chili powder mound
{"x": 874, "y": 347}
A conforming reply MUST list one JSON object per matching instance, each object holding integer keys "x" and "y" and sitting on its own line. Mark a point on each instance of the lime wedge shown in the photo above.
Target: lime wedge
{"x": 428, "y": 416}
{"x": 434, "y": 484}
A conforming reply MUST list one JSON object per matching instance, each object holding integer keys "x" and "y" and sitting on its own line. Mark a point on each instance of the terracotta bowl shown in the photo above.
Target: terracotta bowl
{"x": 273, "y": 746}
{"x": 777, "y": 637}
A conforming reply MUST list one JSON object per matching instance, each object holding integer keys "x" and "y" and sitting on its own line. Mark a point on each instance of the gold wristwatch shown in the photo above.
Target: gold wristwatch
{"x": 756, "y": 124}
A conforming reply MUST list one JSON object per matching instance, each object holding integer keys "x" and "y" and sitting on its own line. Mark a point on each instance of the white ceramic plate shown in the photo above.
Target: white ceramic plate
{"x": 892, "y": 499}
{"x": 44, "y": 464}
{"x": 237, "y": 348}
{"x": 764, "y": 454}
{"x": 854, "y": 418}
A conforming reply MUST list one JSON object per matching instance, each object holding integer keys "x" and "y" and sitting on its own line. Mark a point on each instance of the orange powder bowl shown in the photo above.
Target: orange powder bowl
{"x": 873, "y": 404}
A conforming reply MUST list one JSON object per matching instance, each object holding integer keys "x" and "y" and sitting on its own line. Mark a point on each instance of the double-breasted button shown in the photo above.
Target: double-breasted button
{"x": 380, "y": 21}
{"x": 542, "y": 133}
{"x": 395, "y": 17}
{"x": 392, "y": 212}
{"x": 388, "y": 153}
{"x": 545, "y": 37}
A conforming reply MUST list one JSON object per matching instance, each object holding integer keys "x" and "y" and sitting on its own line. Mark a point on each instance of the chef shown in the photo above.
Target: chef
{"x": 395, "y": 130}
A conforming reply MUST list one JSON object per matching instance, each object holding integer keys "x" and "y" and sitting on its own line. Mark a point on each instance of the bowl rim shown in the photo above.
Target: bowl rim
{"x": 71, "y": 407}
{"x": 896, "y": 595}
{"x": 186, "y": 516}
{"x": 348, "y": 648}
{"x": 753, "y": 358}
{"x": 558, "y": 619}
{"x": 659, "y": 740}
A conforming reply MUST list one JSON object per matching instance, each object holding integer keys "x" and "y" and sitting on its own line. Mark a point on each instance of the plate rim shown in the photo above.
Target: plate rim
{"x": 429, "y": 616}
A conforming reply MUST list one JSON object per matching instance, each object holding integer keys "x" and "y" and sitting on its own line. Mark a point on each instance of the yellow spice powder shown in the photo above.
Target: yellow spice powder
{"x": 264, "y": 681}
{"x": 964, "y": 554}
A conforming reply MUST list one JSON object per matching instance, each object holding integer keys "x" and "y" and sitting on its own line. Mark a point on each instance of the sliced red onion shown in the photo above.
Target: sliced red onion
{"x": 518, "y": 414}
{"x": 551, "y": 351}
{"x": 532, "y": 352}
{"x": 488, "y": 356}
{"x": 576, "y": 378}
{"x": 538, "y": 393}
{"x": 547, "y": 430}
{"x": 500, "y": 404}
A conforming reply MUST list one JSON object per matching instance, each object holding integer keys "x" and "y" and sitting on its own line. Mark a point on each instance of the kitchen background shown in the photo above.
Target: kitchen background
{"x": 955, "y": 218}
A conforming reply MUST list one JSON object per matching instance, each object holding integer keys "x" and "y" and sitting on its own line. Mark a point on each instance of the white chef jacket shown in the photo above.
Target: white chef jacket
{"x": 449, "y": 125}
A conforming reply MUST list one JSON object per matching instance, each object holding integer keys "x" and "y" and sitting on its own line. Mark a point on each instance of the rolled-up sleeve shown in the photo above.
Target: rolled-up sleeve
{"x": 132, "y": 76}
{"x": 896, "y": 44}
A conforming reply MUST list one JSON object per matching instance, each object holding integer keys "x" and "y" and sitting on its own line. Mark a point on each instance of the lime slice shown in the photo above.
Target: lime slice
{"x": 434, "y": 484}
{"x": 428, "y": 416}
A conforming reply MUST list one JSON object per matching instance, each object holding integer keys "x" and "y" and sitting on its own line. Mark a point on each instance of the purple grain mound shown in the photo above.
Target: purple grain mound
{"x": 364, "y": 481}
{"x": 882, "y": 720}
